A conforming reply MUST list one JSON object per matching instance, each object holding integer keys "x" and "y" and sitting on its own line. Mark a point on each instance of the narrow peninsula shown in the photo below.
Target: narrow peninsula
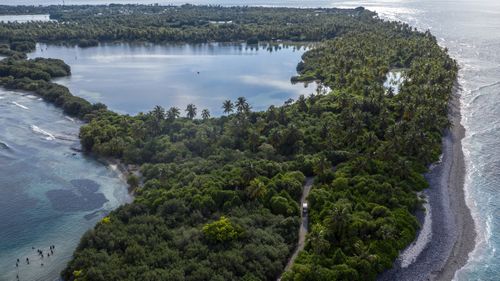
{"x": 219, "y": 197}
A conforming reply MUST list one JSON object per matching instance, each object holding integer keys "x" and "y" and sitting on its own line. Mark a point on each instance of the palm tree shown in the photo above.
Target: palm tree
{"x": 139, "y": 131}
{"x": 228, "y": 106}
{"x": 248, "y": 172}
{"x": 173, "y": 113}
{"x": 337, "y": 221}
{"x": 205, "y": 114}
{"x": 289, "y": 102}
{"x": 158, "y": 113}
{"x": 256, "y": 189}
{"x": 242, "y": 105}
{"x": 363, "y": 252}
{"x": 191, "y": 111}
{"x": 302, "y": 103}
{"x": 282, "y": 116}
{"x": 157, "y": 116}
{"x": 321, "y": 166}
{"x": 390, "y": 92}
{"x": 271, "y": 114}
{"x": 369, "y": 139}
{"x": 254, "y": 140}
{"x": 317, "y": 237}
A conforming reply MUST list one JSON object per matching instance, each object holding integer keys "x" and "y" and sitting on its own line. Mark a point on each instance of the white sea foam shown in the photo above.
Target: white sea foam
{"x": 31, "y": 97}
{"x": 483, "y": 230}
{"x": 482, "y": 94}
{"x": 20, "y": 105}
{"x": 69, "y": 118}
{"x": 119, "y": 173}
{"x": 485, "y": 131}
{"x": 114, "y": 167}
{"x": 48, "y": 136}
{"x": 474, "y": 170}
{"x": 437, "y": 162}
{"x": 71, "y": 138}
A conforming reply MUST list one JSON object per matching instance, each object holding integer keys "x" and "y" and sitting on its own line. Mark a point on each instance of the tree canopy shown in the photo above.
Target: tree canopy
{"x": 219, "y": 196}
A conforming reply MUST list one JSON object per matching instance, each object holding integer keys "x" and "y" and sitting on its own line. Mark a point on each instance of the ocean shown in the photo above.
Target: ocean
{"x": 471, "y": 32}
{"x": 50, "y": 194}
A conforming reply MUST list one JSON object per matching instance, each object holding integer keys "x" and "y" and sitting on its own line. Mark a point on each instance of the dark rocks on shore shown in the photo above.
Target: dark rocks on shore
{"x": 76, "y": 148}
{"x": 453, "y": 231}
{"x": 4, "y": 145}
{"x": 95, "y": 214}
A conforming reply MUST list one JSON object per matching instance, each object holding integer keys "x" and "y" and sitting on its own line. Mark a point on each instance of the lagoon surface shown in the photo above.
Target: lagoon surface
{"x": 470, "y": 30}
{"x": 23, "y": 18}
{"x": 133, "y": 78}
{"x": 50, "y": 193}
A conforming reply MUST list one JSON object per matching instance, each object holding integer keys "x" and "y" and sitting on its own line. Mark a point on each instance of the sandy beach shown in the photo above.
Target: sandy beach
{"x": 453, "y": 235}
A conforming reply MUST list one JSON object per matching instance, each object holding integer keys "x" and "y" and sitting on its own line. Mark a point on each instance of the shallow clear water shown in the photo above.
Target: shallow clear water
{"x": 49, "y": 193}
{"x": 471, "y": 31}
{"x": 132, "y": 78}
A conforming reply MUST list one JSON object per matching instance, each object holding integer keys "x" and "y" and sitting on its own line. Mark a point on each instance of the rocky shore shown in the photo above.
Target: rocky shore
{"x": 452, "y": 232}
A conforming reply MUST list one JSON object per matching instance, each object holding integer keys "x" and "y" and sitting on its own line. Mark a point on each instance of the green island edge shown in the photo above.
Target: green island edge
{"x": 218, "y": 197}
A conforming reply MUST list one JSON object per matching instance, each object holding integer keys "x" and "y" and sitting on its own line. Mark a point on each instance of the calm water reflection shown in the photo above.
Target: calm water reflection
{"x": 132, "y": 78}
{"x": 23, "y": 18}
{"x": 51, "y": 194}
{"x": 470, "y": 30}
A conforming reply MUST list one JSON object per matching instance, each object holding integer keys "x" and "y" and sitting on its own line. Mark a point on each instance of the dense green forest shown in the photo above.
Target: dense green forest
{"x": 86, "y": 25}
{"x": 218, "y": 198}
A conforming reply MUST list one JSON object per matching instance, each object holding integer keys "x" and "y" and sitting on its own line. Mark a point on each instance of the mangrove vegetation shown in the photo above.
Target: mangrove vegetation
{"x": 219, "y": 196}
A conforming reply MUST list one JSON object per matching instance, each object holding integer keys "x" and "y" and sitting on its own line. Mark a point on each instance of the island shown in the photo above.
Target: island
{"x": 220, "y": 198}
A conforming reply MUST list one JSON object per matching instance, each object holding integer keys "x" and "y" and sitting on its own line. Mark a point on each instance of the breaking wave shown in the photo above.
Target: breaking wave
{"x": 20, "y": 105}
{"x": 4, "y": 145}
{"x": 48, "y": 136}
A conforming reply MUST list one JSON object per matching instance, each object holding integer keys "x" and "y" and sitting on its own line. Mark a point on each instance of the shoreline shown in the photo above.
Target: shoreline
{"x": 465, "y": 226}
{"x": 453, "y": 231}
{"x": 122, "y": 170}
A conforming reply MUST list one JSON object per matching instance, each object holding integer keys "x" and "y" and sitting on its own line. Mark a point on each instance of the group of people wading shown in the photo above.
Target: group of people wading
{"x": 40, "y": 253}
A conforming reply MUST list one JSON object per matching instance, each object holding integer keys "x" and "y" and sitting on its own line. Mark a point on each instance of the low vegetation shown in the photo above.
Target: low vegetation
{"x": 219, "y": 199}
